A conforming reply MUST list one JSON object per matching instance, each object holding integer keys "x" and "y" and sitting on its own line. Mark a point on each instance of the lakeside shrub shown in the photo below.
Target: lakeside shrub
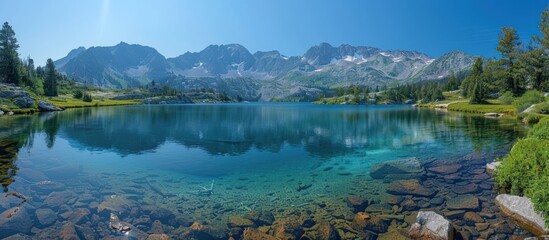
{"x": 525, "y": 170}
{"x": 540, "y": 130}
{"x": 78, "y": 94}
{"x": 87, "y": 97}
{"x": 506, "y": 98}
{"x": 542, "y": 108}
{"x": 529, "y": 98}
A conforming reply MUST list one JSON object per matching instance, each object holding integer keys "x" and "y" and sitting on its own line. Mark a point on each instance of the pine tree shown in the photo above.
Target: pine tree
{"x": 9, "y": 58}
{"x": 476, "y": 83}
{"x": 50, "y": 82}
{"x": 544, "y": 27}
{"x": 508, "y": 47}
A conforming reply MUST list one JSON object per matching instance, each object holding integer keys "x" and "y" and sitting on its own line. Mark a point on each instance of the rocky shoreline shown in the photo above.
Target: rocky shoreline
{"x": 458, "y": 191}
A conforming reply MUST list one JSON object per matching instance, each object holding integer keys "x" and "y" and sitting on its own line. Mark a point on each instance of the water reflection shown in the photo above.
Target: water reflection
{"x": 323, "y": 131}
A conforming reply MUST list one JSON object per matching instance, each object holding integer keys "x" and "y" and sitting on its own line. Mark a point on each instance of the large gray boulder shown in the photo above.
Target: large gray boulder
{"x": 521, "y": 210}
{"x": 44, "y": 106}
{"x": 431, "y": 225}
{"x": 24, "y": 102}
{"x": 397, "y": 169}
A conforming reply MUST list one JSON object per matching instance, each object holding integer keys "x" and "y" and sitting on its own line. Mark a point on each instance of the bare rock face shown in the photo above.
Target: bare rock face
{"x": 433, "y": 226}
{"x": 521, "y": 210}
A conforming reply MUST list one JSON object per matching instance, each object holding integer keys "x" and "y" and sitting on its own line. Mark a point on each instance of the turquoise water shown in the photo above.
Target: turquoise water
{"x": 208, "y": 162}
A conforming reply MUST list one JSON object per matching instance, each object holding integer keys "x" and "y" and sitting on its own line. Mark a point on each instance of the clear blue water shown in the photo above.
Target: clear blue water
{"x": 254, "y": 155}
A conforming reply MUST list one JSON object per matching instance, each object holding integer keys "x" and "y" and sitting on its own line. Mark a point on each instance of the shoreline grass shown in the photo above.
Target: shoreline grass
{"x": 62, "y": 102}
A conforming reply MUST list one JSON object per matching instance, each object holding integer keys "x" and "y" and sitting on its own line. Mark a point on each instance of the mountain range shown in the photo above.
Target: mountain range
{"x": 262, "y": 75}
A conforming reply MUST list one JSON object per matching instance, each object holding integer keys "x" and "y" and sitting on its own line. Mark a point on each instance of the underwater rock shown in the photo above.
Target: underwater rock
{"x": 325, "y": 231}
{"x": 158, "y": 237}
{"x": 409, "y": 205}
{"x": 240, "y": 222}
{"x": 254, "y": 234}
{"x": 445, "y": 169}
{"x": 79, "y": 215}
{"x": 394, "y": 234}
{"x": 357, "y": 203}
{"x": 365, "y": 222}
{"x": 200, "y": 231}
{"x": 300, "y": 187}
{"x": 45, "y": 216}
{"x": 64, "y": 172}
{"x": 469, "y": 188}
{"x": 521, "y": 210}
{"x": 117, "y": 225}
{"x": 409, "y": 187}
{"x": 15, "y": 220}
{"x": 394, "y": 200}
{"x": 463, "y": 202}
{"x": 288, "y": 228}
{"x": 161, "y": 214}
{"x": 68, "y": 232}
{"x": 56, "y": 199}
{"x": 260, "y": 218}
{"x": 157, "y": 227}
{"x": 471, "y": 218}
{"x": 432, "y": 226}
{"x": 47, "y": 186}
{"x": 86, "y": 232}
{"x": 116, "y": 204}
{"x": 378, "y": 208}
{"x": 397, "y": 169}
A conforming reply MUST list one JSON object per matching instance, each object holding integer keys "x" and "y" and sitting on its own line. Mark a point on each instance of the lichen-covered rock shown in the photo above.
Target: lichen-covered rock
{"x": 397, "y": 169}
{"x": 521, "y": 209}
{"x": 432, "y": 226}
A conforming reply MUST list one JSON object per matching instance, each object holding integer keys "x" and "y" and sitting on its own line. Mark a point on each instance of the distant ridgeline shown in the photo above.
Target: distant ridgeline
{"x": 264, "y": 76}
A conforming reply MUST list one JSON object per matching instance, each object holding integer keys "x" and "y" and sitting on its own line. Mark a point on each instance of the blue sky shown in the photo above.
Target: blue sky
{"x": 50, "y": 29}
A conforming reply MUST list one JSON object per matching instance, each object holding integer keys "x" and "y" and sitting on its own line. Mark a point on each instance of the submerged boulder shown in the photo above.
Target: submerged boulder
{"x": 201, "y": 231}
{"x": 15, "y": 220}
{"x": 260, "y": 218}
{"x": 431, "y": 225}
{"x": 463, "y": 202}
{"x": 410, "y": 187}
{"x": 397, "y": 169}
{"x": 521, "y": 209}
